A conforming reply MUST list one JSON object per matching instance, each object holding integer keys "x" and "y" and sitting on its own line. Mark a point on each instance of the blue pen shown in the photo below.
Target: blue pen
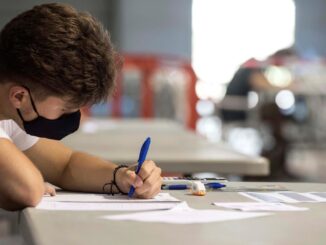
{"x": 175, "y": 187}
{"x": 214, "y": 185}
{"x": 141, "y": 159}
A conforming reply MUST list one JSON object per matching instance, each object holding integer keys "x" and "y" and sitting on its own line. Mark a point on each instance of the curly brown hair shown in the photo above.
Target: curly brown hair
{"x": 55, "y": 50}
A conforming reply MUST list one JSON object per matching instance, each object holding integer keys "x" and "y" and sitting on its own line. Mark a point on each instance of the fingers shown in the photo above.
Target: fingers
{"x": 49, "y": 190}
{"x": 147, "y": 183}
{"x": 153, "y": 191}
{"x": 133, "y": 179}
{"x": 147, "y": 169}
{"x": 137, "y": 180}
{"x": 152, "y": 184}
{"x": 126, "y": 178}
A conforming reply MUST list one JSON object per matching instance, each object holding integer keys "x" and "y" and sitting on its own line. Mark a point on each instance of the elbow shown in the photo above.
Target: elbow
{"x": 31, "y": 194}
{"x": 27, "y": 196}
{"x": 32, "y": 197}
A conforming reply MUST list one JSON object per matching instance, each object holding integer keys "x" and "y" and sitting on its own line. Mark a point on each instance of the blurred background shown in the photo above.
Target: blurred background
{"x": 250, "y": 73}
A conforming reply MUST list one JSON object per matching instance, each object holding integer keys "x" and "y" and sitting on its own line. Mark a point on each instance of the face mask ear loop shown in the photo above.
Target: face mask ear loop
{"x": 32, "y": 101}
{"x": 20, "y": 115}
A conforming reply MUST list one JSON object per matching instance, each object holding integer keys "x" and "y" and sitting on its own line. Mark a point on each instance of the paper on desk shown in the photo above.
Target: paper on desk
{"x": 259, "y": 206}
{"x": 92, "y": 198}
{"x": 321, "y": 196}
{"x": 88, "y": 202}
{"x": 284, "y": 196}
{"x": 183, "y": 214}
{"x": 105, "y": 206}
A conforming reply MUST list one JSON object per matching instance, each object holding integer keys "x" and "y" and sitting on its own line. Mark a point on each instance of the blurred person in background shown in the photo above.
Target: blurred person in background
{"x": 234, "y": 107}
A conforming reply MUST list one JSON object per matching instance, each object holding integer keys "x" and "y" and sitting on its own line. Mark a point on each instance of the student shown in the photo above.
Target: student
{"x": 54, "y": 60}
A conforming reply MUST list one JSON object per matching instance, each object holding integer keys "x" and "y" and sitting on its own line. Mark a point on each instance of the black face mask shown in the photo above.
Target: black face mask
{"x": 51, "y": 129}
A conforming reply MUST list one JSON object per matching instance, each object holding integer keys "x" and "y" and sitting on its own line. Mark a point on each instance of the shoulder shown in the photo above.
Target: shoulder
{"x": 11, "y": 130}
{"x": 6, "y": 128}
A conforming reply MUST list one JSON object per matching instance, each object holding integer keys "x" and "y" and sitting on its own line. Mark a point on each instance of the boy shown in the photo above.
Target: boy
{"x": 54, "y": 60}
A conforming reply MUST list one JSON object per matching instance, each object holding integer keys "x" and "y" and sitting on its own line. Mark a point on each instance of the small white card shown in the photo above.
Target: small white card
{"x": 286, "y": 197}
{"x": 320, "y": 196}
{"x": 259, "y": 206}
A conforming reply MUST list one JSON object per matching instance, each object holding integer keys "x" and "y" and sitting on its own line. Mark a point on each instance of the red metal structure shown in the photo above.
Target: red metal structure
{"x": 148, "y": 66}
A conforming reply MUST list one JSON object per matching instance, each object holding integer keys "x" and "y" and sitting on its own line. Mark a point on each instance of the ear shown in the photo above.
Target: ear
{"x": 17, "y": 96}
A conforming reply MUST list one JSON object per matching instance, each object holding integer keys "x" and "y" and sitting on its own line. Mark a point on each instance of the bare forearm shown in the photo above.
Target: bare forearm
{"x": 86, "y": 173}
{"x": 77, "y": 171}
{"x": 21, "y": 182}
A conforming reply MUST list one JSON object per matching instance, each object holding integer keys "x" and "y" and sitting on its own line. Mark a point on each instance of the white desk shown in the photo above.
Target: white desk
{"x": 282, "y": 228}
{"x": 173, "y": 148}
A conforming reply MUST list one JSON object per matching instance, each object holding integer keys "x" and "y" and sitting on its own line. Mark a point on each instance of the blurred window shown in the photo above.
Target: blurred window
{"x": 228, "y": 32}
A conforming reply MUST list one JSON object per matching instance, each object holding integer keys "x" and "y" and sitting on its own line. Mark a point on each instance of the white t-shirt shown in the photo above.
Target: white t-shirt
{"x": 10, "y": 130}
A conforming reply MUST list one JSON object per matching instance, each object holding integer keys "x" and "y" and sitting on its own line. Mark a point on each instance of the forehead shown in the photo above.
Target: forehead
{"x": 57, "y": 101}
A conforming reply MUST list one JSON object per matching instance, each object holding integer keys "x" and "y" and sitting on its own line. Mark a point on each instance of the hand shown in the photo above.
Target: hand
{"x": 49, "y": 190}
{"x": 147, "y": 183}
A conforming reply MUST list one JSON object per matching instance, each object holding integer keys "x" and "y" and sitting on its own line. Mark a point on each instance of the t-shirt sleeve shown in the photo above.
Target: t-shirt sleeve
{"x": 3, "y": 134}
{"x": 9, "y": 129}
{"x": 21, "y": 139}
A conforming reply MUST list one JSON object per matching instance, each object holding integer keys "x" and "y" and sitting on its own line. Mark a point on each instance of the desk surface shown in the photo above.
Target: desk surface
{"x": 62, "y": 227}
{"x": 173, "y": 148}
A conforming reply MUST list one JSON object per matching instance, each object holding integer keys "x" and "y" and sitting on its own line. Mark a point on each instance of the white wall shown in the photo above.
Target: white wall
{"x": 142, "y": 26}
{"x": 155, "y": 26}
{"x": 311, "y": 27}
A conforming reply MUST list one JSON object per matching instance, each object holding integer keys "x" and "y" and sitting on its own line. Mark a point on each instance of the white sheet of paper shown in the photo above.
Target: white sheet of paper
{"x": 271, "y": 197}
{"x": 284, "y": 196}
{"x": 95, "y": 202}
{"x": 320, "y": 196}
{"x": 183, "y": 214}
{"x": 105, "y": 206}
{"x": 92, "y": 198}
{"x": 259, "y": 206}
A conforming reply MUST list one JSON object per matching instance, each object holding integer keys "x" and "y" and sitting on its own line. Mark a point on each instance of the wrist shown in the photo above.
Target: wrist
{"x": 113, "y": 187}
{"x": 118, "y": 178}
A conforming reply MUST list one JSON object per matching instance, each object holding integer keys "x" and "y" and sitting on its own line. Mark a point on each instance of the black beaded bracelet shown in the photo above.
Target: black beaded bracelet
{"x": 113, "y": 182}
{"x": 114, "y": 178}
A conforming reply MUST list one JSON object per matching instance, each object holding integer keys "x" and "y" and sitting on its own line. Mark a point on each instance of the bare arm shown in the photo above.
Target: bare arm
{"x": 79, "y": 171}
{"x": 21, "y": 182}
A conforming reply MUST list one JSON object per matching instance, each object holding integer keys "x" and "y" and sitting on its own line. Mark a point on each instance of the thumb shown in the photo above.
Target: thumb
{"x": 133, "y": 179}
